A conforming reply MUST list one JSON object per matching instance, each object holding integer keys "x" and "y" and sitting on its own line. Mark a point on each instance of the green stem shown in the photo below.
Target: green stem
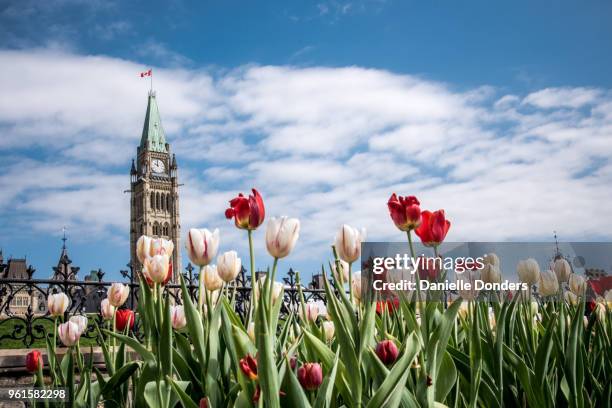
{"x": 201, "y": 289}
{"x": 350, "y": 282}
{"x": 114, "y": 330}
{"x": 271, "y": 280}
{"x": 252, "y": 256}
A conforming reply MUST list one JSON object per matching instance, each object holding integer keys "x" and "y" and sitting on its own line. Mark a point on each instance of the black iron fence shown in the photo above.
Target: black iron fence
{"x": 25, "y": 320}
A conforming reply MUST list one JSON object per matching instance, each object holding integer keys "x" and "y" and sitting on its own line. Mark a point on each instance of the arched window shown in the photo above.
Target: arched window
{"x": 166, "y": 229}
{"x": 157, "y": 201}
{"x": 168, "y": 207}
{"x": 163, "y": 202}
{"x": 156, "y": 228}
{"x": 152, "y": 200}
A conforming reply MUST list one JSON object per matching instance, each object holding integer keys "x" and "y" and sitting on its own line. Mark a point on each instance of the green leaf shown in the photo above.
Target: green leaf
{"x": 326, "y": 391}
{"x": 295, "y": 396}
{"x": 122, "y": 375}
{"x": 166, "y": 341}
{"x": 135, "y": 345}
{"x": 179, "y": 388}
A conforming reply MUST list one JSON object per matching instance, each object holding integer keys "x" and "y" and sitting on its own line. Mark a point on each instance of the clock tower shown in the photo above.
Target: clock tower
{"x": 154, "y": 201}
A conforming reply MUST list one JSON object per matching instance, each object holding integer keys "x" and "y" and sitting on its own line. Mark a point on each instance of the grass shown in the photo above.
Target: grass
{"x": 41, "y": 327}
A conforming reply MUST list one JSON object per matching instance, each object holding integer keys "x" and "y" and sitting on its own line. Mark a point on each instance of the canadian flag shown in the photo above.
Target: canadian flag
{"x": 146, "y": 73}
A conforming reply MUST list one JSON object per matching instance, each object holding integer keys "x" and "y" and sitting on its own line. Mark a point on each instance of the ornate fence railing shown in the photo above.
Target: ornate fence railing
{"x": 25, "y": 321}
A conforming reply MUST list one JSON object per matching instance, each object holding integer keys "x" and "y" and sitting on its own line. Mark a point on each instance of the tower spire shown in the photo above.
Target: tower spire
{"x": 153, "y": 135}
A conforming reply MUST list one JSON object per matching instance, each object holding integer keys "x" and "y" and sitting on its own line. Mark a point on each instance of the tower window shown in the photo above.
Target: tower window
{"x": 158, "y": 202}
{"x": 168, "y": 207}
{"x": 156, "y": 229}
{"x": 152, "y": 200}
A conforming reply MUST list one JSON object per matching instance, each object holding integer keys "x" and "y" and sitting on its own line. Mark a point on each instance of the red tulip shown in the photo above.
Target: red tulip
{"x": 122, "y": 316}
{"x": 204, "y": 402}
{"x": 387, "y": 351}
{"x": 405, "y": 212}
{"x": 33, "y": 361}
{"x": 391, "y": 305}
{"x": 433, "y": 229}
{"x": 248, "y": 213}
{"x": 248, "y": 365}
{"x": 310, "y": 376}
{"x": 428, "y": 269}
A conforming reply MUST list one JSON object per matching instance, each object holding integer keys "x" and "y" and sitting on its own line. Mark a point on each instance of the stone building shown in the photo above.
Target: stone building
{"x": 22, "y": 298}
{"x": 154, "y": 204}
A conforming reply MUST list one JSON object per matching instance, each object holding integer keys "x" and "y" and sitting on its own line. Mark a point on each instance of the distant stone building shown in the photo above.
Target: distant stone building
{"x": 21, "y": 298}
{"x": 595, "y": 273}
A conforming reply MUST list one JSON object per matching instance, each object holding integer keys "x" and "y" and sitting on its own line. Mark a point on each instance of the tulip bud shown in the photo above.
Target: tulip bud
{"x": 548, "y": 285}
{"x": 202, "y": 245}
{"x": 528, "y": 271}
{"x": 177, "y": 314}
{"x": 600, "y": 311}
{"x": 356, "y": 284}
{"x": 310, "y": 312}
{"x": 106, "y": 309}
{"x": 33, "y": 361}
{"x": 490, "y": 273}
{"x": 69, "y": 333}
{"x": 203, "y": 402}
{"x": 562, "y": 269}
{"x": 492, "y": 320}
{"x": 123, "y": 317}
{"x": 348, "y": 243}
{"x": 57, "y": 304}
{"x": 343, "y": 276}
{"x": 577, "y": 284}
{"x": 117, "y": 294}
{"x": 81, "y": 322}
{"x": 143, "y": 248}
{"x": 251, "y": 331}
{"x": 329, "y": 330}
{"x": 534, "y": 307}
{"x": 310, "y": 376}
{"x": 248, "y": 366}
{"x": 464, "y": 309}
{"x": 570, "y": 298}
{"x": 387, "y": 352}
{"x": 156, "y": 268}
{"x": 281, "y": 235}
{"x": 228, "y": 266}
{"x": 212, "y": 281}
{"x": 491, "y": 259}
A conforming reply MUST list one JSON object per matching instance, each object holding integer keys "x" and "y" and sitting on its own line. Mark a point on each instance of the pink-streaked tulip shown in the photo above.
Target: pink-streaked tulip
{"x": 212, "y": 280}
{"x": 248, "y": 213}
{"x": 33, "y": 361}
{"x": 387, "y": 352}
{"x": 329, "y": 330}
{"x": 310, "y": 376}
{"x": 310, "y": 312}
{"x": 548, "y": 284}
{"x": 117, "y": 294}
{"x": 157, "y": 268}
{"x": 577, "y": 284}
{"x": 348, "y": 243}
{"x": 228, "y": 266}
{"x": 281, "y": 235}
{"x": 433, "y": 229}
{"x": 123, "y": 317}
{"x": 562, "y": 269}
{"x": 57, "y": 304}
{"x": 405, "y": 212}
{"x": 160, "y": 246}
{"x": 177, "y": 314}
{"x": 106, "y": 309}
{"x": 528, "y": 271}
{"x": 202, "y": 245}
{"x": 81, "y": 322}
{"x": 343, "y": 276}
{"x": 69, "y": 333}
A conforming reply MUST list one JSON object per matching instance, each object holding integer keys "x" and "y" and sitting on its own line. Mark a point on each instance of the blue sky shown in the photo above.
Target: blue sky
{"x": 499, "y": 113}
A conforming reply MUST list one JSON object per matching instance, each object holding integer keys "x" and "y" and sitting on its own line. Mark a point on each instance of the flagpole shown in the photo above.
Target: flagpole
{"x": 151, "y": 76}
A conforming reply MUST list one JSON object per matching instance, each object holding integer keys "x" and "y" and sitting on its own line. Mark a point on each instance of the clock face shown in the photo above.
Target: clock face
{"x": 158, "y": 166}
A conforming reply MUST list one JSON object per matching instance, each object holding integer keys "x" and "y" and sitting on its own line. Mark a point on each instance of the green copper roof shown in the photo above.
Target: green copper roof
{"x": 153, "y": 136}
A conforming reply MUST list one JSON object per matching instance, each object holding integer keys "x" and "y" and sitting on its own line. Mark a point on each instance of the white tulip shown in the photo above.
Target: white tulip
{"x": 528, "y": 271}
{"x": 143, "y": 248}
{"x": 329, "y": 329}
{"x": 469, "y": 276}
{"x": 570, "y": 298}
{"x": 548, "y": 284}
{"x": 348, "y": 243}
{"x": 491, "y": 259}
{"x": 212, "y": 280}
{"x": 342, "y": 277}
{"x": 57, "y": 304}
{"x": 281, "y": 235}
{"x": 356, "y": 285}
{"x": 202, "y": 245}
{"x": 106, "y": 309}
{"x": 117, "y": 294}
{"x": 157, "y": 268}
{"x": 69, "y": 333}
{"x": 277, "y": 288}
{"x": 608, "y": 298}
{"x": 562, "y": 269}
{"x": 178, "y": 318}
{"x": 490, "y": 273}
{"x": 81, "y": 322}
{"x": 228, "y": 265}
{"x": 577, "y": 284}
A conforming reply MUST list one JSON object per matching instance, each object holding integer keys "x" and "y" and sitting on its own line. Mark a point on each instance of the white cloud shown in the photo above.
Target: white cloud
{"x": 328, "y": 145}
